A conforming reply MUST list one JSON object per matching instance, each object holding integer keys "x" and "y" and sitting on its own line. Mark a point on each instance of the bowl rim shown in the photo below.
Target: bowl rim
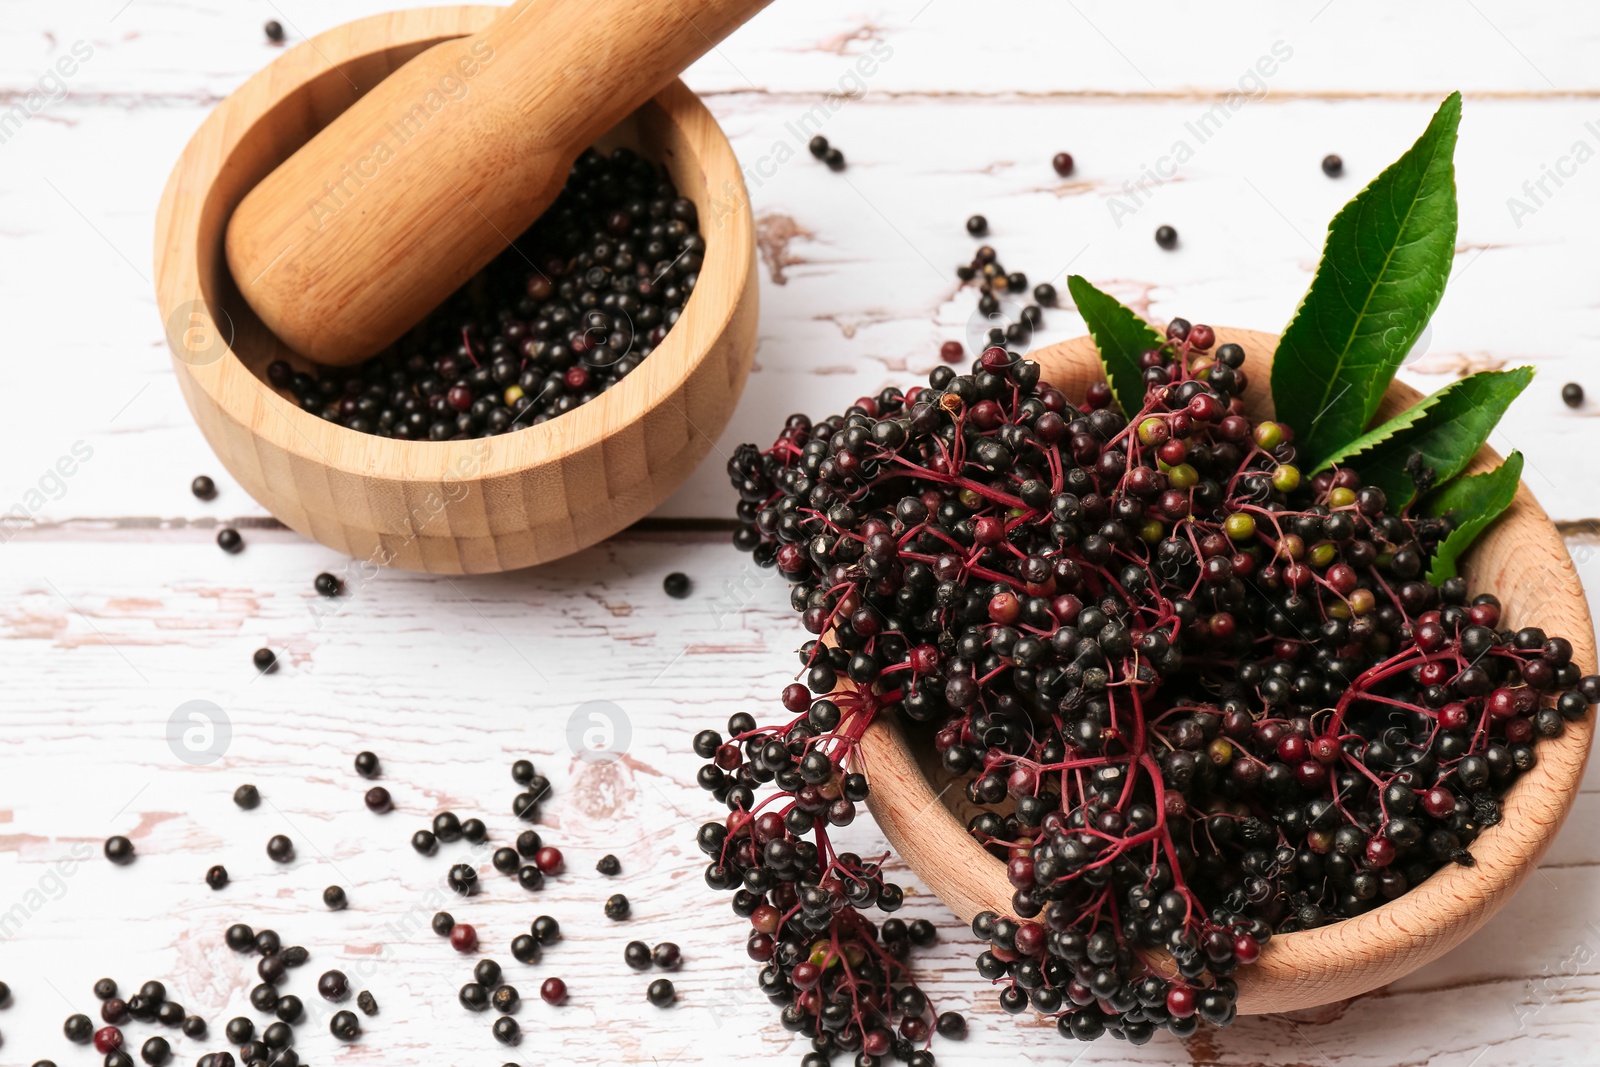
{"x": 729, "y": 260}
{"x": 1353, "y": 956}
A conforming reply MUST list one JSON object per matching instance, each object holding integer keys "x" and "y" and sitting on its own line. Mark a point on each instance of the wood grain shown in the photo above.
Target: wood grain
{"x": 416, "y": 186}
{"x": 960, "y": 117}
{"x": 490, "y": 504}
{"x": 1520, "y": 558}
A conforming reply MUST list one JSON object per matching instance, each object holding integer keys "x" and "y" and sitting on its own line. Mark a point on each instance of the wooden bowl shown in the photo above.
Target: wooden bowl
{"x": 1521, "y": 559}
{"x": 453, "y": 507}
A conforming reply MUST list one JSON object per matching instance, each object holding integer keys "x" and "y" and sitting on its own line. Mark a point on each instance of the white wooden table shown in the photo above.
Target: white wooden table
{"x": 116, "y": 607}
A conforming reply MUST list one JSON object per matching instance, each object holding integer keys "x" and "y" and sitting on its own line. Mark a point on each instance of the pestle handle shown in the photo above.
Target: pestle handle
{"x": 385, "y": 212}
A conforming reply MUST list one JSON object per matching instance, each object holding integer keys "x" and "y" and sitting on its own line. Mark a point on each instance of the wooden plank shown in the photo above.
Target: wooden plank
{"x": 449, "y": 680}
{"x": 857, "y": 282}
{"x": 197, "y": 50}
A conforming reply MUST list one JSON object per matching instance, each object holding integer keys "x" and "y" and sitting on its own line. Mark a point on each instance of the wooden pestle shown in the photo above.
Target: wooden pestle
{"x": 421, "y": 182}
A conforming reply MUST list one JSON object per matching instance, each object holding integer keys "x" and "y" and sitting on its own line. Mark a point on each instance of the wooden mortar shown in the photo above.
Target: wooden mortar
{"x": 451, "y": 507}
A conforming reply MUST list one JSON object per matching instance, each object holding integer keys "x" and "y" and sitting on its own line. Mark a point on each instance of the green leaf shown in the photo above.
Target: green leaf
{"x": 1447, "y": 435}
{"x": 1379, "y": 434}
{"x": 1472, "y": 504}
{"x": 1121, "y": 336}
{"x": 1382, "y": 274}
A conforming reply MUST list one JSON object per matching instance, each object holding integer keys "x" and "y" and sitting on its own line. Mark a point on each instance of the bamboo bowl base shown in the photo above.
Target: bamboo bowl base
{"x": 1520, "y": 559}
{"x": 453, "y": 507}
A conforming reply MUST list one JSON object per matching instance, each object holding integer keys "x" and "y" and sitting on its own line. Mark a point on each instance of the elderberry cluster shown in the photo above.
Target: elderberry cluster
{"x": 1198, "y": 697}
{"x": 565, "y": 313}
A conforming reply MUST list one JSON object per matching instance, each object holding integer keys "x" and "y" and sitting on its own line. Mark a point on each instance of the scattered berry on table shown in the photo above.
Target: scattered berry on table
{"x": 105, "y": 989}
{"x": 952, "y": 351}
{"x": 977, "y": 225}
{"x": 505, "y": 999}
{"x": 424, "y": 842}
{"x": 525, "y": 948}
{"x": 228, "y": 539}
{"x": 609, "y": 865}
{"x": 203, "y": 487}
{"x": 265, "y": 660}
{"x": 334, "y": 898}
{"x": 463, "y": 938}
{"x": 463, "y": 879}
{"x": 506, "y": 1031}
{"x": 345, "y": 1025}
{"x": 442, "y": 922}
{"x": 549, "y": 860}
{"x": 327, "y": 584}
{"x": 247, "y": 797}
{"x": 119, "y": 849}
{"x": 367, "y": 1002}
{"x": 1166, "y": 237}
{"x": 636, "y": 954}
{"x": 79, "y": 1029}
{"x": 217, "y": 876}
{"x": 473, "y": 997}
{"x": 553, "y": 991}
{"x": 677, "y": 585}
{"x": 661, "y": 993}
{"x": 280, "y": 849}
{"x": 333, "y": 986}
{"x": 666, "y": 956}
{"x": 378, "y": 800}
{"x": 274, "y": 31}
{"x": 546, "y": 929}
{"x": 1332, "y": 165}
{"x": 1572, "y": 395}
{"x": 818, "y": 146}
{"x": 1062, "y": 162}
{"x": 367, "y": 765}
{"x": 447, "y": 826}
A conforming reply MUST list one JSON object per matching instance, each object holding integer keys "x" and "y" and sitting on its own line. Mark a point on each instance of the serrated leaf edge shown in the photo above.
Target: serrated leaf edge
{"x": 1454, "y": 545}
{"x": 1075, "y": 281}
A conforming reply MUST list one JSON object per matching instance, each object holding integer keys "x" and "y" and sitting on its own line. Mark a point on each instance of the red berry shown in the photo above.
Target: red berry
{"x": 459, "y": 397}
{"x": 1181, "y": 1001}
{"x": 1246, "y": 949}
{"x": 876, "y": 1042}
{"x": 1502, "y": 704}
{"x": 1062, "y": 162}
{"x": 796, "y": 697}
{"x": 1439, "y": 802}
{"x": 463, "y": 938}
{"x": 107, "y": 1038}
{"x": 1325, "y": 750}
{"x": 806, "y": 975}
{"x": 548, "y": 860}
{"x": 1201, "y": 336}
{"x": 553, "y": 991}
{"x": 925, "y": 659}
{"x": 1031, "y": 939}
{"x": 1293, "y": 749}
{"x": 1380, "y": 852}
{"x": 952, "y": 351}
{"x": 1453, "y": 717}
{"x": 1005, "y": 608}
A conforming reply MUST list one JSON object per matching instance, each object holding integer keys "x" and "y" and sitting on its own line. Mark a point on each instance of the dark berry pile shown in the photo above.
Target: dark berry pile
{"x": 990, "y": 276}
{"x": 1198, "y": 697}
{"x": 565, "y": 313}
